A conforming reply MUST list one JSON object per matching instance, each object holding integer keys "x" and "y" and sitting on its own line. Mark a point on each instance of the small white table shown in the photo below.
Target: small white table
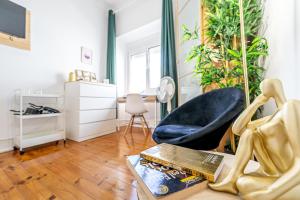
{"x": 207, "y": 193}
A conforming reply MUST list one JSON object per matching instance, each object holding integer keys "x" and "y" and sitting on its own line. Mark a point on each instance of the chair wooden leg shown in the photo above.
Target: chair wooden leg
{"x": 229, "y": 134}
{"x": 149, "y": 131}
{"x": 143, "y": 118}
{"x": 143, "y": 126}
{"x": 129, "y": 124}
{"x": 221, "y": 147}
{"x": 232, "y": 140}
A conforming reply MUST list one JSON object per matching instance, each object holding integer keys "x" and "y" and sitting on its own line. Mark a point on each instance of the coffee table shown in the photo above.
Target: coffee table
{"x": 207, "y": 193}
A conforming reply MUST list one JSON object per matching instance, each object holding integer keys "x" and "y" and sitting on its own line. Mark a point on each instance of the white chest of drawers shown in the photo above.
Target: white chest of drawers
{"x": 90, "y": 110}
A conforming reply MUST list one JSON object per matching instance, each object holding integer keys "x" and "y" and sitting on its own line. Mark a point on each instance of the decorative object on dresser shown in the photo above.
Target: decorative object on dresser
{"x": 78, "y": 75}
{"x": 72, "y": 77}
{"x": 81, "y": 75}
{"x": 31, "y": 130}
{"x": 90, "y": 110}
{"x": 86, "y": 76}
{"x": 106, "y": 81}
{"x": 93, "y": 77}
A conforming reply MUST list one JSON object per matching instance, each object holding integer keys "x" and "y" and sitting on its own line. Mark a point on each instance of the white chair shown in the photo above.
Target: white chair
{"x": 136, "y": 108}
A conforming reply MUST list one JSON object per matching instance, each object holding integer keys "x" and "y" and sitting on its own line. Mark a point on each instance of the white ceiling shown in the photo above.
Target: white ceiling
{"x": 119, "y": 4}
{"x": 143, "y": 32}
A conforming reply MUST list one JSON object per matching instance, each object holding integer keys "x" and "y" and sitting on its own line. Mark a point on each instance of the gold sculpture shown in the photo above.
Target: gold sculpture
{"x": 275, "y": 142}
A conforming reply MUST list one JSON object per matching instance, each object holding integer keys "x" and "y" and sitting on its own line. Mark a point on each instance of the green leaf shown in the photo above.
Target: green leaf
{"x": 234, "y": 53}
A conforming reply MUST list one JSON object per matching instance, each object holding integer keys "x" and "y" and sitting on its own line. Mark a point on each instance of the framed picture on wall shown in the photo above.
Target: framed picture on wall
{"x": 86, "y": 56}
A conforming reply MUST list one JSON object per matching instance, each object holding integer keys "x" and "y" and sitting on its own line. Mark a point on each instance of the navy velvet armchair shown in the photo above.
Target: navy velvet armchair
{"x": 201, "y": 122}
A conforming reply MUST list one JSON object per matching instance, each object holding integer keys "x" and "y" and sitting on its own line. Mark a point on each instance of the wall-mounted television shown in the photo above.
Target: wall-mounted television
{"x": 14, "y": 25}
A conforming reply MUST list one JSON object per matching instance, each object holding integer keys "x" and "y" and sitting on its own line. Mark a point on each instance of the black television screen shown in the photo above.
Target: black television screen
{"x": 12, "y": 19}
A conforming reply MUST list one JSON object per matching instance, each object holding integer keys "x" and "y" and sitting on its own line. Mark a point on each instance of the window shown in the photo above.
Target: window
{"x": 144, "y": 70}
{"x": 137, "y": 73}
{"x": 154, "y": 67}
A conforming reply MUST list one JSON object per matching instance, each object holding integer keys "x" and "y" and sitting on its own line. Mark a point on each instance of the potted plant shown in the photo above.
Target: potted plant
{"x": 218, "y": 60}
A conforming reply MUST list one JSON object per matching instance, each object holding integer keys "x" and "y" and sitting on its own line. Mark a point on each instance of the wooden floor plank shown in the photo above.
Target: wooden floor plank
{"x": 54, "y": 182}
{"x": 8, "y": 190}
{"x": 94, "y": 169}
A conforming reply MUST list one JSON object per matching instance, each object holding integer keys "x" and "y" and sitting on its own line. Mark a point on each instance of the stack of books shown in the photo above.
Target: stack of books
{"x": 171, "y": 172}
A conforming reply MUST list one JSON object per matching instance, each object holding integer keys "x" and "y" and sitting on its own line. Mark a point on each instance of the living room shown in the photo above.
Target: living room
{"x": 149, "y": 99}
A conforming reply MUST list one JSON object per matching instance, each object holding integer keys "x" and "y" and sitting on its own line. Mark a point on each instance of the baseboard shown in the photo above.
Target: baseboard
{"x": 6, "y": 145}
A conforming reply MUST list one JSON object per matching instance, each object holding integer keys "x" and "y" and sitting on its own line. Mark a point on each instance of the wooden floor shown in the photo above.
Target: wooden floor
{"x": 95, "y": 169}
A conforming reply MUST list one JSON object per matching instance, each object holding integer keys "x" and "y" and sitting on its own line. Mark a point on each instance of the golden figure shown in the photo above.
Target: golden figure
{"x": 275, "y": 142}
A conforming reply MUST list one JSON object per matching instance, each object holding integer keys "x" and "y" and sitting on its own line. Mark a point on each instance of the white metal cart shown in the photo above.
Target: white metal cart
{"x": 23, "y": 139}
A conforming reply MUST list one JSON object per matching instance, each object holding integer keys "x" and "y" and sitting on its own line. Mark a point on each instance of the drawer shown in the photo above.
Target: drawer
{"x": 88, "y": 90}
{"x": 86, "y": 130}
{"x": 96, "y": 115}
{"x": 88, "y": 103}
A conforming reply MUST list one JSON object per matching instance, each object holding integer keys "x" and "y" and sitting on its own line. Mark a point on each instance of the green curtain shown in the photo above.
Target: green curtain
{"x": 111, "y": 47}
{"x": 168, "y": 51}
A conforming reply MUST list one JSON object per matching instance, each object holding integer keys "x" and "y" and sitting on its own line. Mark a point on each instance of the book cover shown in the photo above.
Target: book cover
{"x": 195, "y": 162}
{"x": 163, "y": 181}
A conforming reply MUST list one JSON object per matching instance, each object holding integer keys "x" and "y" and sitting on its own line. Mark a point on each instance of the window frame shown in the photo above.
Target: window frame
{"x": 134, "y": 53}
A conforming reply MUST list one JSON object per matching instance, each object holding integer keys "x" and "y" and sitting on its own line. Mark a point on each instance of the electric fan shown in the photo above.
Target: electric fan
{"x": 166, "y": 91}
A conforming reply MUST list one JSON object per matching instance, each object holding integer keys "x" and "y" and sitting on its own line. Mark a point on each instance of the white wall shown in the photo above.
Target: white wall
{"x": 282, "y": 29}
{"x": 58, "y": 30}
{"x": 121, "y": 67}
{"x": 137, "y": 14}
{"x": 280, "y": 25}
{"x": 188, "y": 13}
